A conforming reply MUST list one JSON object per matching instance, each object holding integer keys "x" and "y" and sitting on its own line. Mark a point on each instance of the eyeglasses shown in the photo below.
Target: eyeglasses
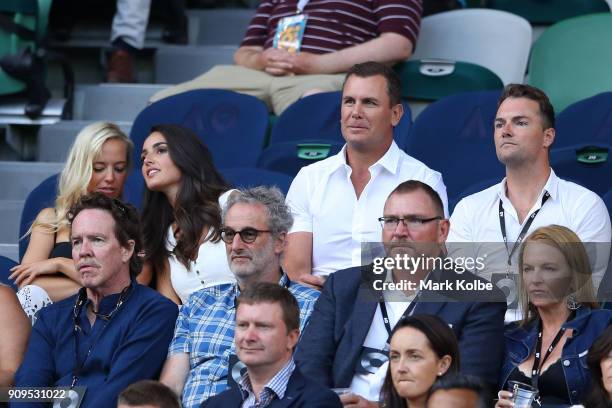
{"x": 247, "y": 235}
{"x": 412, "y": 222}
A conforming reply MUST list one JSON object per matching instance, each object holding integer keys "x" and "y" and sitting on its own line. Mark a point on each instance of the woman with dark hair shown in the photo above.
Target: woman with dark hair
{"x": 182, "y": 213}
{"x": 599, "y": 360}
{"x": 547, "y": 349}
{"x": 423, "y": 348}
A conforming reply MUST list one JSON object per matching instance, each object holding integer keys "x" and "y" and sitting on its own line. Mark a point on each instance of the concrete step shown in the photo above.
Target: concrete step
{"x": 9, "y": 221}
{"x": 10, "y": 251}
{"x": 19, "y": 178}
{"x": 54, "y": 141}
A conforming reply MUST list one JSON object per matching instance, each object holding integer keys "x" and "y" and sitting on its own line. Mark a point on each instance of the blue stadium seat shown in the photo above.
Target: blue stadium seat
{"x": 5, "y": 265}
{"x": 232, "y": 125}
{"x": 589, "y": 119}
{"x": 587, "y": 164}
{"x": 454, "y": 136}
{"x": 42, "y": 196}
{"x": 317, "y": 117}
{"x": 244, "y": 177}
{"x": 472, "y": 189}
{"x": 290, "y": 157}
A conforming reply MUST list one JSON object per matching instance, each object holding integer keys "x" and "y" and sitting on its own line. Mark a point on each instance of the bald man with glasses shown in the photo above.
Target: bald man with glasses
{"x": 202, "y": 358}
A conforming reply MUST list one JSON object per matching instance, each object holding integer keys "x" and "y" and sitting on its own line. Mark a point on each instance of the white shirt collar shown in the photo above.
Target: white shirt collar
{"x": 551, "y": 186}
{"x": 389, "y": 161}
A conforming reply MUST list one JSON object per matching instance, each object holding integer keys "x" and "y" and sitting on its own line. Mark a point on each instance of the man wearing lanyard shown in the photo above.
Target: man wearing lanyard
{"x": 114, "y": 332}
{"x": 346, "y": 342}
{"x": 202, "y": 359}
{"x": 292, "y": 48}
{"x": 494, "y": 222}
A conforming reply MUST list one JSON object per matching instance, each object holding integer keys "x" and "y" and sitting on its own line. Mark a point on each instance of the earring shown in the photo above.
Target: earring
{"x": 440, "y": 374}
{"x": 571, "y": 302}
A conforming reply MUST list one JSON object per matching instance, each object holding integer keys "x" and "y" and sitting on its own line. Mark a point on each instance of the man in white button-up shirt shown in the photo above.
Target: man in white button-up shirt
{"x": 530, "y": 196}
{"x": 335, "y": 201}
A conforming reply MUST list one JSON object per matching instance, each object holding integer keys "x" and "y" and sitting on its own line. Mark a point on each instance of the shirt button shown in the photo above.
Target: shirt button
{"x": 574, "y": 392}
{"x": 566, "y": 363}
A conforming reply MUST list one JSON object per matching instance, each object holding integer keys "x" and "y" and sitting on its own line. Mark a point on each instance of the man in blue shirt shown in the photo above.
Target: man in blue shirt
{"x": 202, "y": 353}
{"x": 267, "y": 330}
{"x": 114, "y": 331}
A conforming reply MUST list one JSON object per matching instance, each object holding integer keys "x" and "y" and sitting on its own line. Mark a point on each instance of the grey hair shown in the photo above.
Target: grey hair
{"x": 280, "y": 219}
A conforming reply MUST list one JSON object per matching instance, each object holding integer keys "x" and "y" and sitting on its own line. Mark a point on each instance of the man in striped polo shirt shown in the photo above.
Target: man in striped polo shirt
{"x": 337, "y": 35}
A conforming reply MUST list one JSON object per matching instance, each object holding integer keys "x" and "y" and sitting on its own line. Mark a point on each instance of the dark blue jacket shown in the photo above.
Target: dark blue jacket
{"x": 132, "y": 346}
{"x": 301, "y": 393}
{"x": 331, "y": 344}
{"x": 587, "y": 325}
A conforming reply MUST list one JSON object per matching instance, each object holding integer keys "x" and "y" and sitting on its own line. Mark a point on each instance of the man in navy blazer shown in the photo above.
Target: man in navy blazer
{"x": 267, "y": 330}
{"x": 346, "y": 341}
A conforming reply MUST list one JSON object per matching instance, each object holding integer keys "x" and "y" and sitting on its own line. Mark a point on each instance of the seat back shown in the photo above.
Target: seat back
{"x": 585, "y": 40}
{"x": 245, "y": 177}
{"x": 549, "y": 11}
{"x": 589, "y": 119}
{"x": 454, "y": 136}
{"x": 40, "y": 197}
{"x": 317, "y": 118}
{"x": 5, "y": 265}
{"x": 587, "y": 164}
{"x": 476, "y": 36}
{"x": 290, "y": 157}
{"x": 233, "y": 126}
{"x": 432, "y": 79}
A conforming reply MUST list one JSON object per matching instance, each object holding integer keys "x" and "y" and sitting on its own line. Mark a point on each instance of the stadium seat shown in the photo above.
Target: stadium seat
{"x": 589, "y": 119}
{"x": 472, "y": 189}
{"x": 232, "y": 125}
{"x": 317, "y": 118}
{"x": 549, "y": 11}
{"x": 5, "y": 265}
{"x": 244, "y": 177}
{"x": 496, "y": 40}
{"x": 42, "y": 196}
{"x": 290, "y": 157}
{"x": 572, "y": 59}
{"x": 432, "y": 79}
{"x": 454, "y": 136}
{"x": 587, "y": 164}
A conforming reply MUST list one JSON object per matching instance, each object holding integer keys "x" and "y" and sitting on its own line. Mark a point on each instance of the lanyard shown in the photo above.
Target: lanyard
{"x": 106, "y": 317}
{"x": 300, "y": 6}
{"x": 502, "y": 225}
{"x": 537, "y": 368}
{"x": 385, "y": 315}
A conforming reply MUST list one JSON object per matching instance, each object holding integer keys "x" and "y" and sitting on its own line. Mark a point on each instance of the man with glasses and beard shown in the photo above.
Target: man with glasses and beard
{"x": 346, "y": 343}
{"x": 202, "y": 359}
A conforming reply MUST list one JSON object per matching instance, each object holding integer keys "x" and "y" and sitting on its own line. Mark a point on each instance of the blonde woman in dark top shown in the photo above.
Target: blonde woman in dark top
{"x": 97, "y": 162}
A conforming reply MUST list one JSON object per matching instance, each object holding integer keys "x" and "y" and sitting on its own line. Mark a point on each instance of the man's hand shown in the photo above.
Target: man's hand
{"x": 356, "y": 401}
{"x": 276, "y": 62}
{"x": 305, "y": 63}
{"x": 280, "y": 62}
{"x": 315, "y": 282}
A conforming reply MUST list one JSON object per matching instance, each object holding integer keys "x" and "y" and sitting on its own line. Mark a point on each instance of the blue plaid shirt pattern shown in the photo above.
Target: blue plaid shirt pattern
{"x": 205, "y": 330}
{"x": 276, "y": 387}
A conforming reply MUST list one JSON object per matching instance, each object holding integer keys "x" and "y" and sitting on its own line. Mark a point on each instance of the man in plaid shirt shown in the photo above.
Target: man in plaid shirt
{"x": 202, "y": 352}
